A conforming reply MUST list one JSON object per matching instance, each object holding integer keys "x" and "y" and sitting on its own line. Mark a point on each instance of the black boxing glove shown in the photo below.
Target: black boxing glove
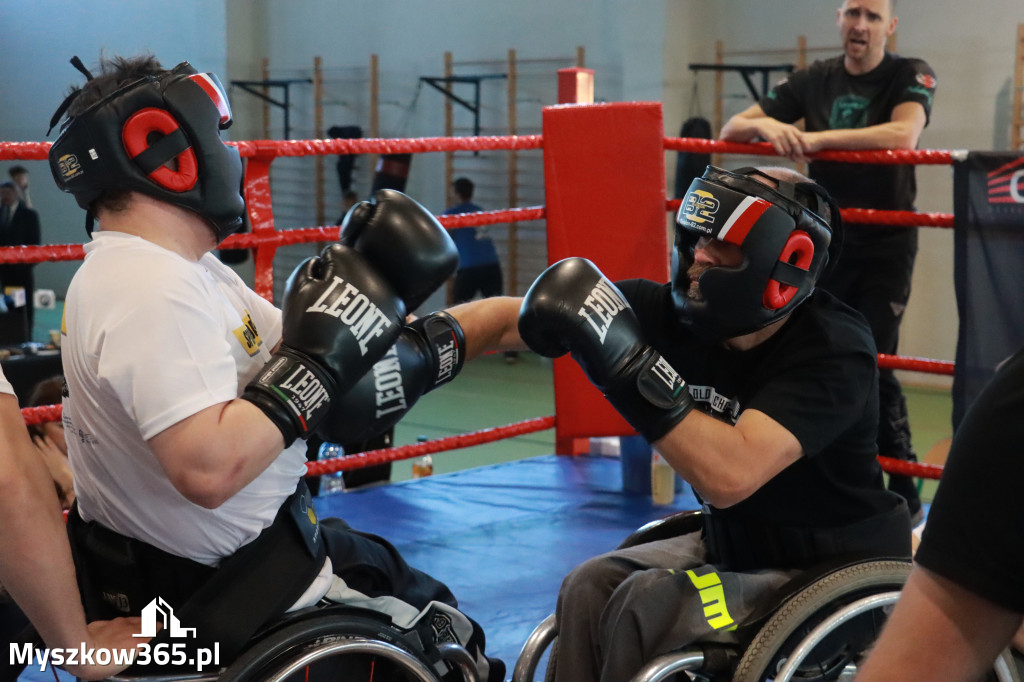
{"x": 429, "y": 353}
{"x": 573, "y": 308}
{"x": 404, "y": 242}
{"x": 339, "y": 317}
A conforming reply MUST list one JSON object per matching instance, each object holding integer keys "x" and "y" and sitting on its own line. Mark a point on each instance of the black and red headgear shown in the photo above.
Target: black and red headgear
{"x": 123, "y": 141}
{"x": 784, "y": 236}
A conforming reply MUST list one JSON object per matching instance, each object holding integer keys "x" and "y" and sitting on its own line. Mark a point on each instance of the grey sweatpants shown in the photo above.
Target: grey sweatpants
{"x": 619, "y": 610}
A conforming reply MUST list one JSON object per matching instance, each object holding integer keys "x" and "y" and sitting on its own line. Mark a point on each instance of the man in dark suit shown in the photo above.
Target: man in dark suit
{"x": 19, "y": 225}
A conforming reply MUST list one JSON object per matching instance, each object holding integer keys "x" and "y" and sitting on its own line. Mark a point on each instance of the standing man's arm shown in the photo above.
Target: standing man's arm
{"x": 939, "y": 631}
{"x": 35, "y": 559}
{"x": 752, "y": 123}
{"x": 900, "y": 132}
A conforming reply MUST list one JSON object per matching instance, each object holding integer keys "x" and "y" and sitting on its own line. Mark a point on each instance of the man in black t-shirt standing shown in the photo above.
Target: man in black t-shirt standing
{"x": 759, "y": 390}
{"x": 965, "y": 597}
{"x": 866, "y": 98}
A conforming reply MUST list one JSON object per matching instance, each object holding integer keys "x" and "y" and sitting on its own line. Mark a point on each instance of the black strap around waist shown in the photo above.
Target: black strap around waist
{"x": 742, "y": 545}
{"x": 119, "y": 575}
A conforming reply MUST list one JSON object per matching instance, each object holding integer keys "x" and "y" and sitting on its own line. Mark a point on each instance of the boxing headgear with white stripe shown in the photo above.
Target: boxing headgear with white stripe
{"x": 123, "y": 141}
{"x": 784, "y": 238}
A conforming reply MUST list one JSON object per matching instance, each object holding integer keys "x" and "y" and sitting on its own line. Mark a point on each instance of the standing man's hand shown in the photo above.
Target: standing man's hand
{"x": 813, "y": 142}
{"x": 787, "y": 139}
{"x": 57, "y": 464}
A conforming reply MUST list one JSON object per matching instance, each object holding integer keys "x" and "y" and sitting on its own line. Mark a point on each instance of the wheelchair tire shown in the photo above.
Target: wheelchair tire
{"x": 272, "y": 654}
{"x": 796, "y": 617}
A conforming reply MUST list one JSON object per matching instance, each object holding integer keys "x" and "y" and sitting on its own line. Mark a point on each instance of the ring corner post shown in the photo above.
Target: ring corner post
{"x": 604, "y": 182}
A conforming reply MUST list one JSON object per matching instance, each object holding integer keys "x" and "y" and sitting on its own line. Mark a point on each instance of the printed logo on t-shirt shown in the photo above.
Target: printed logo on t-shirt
{"x": 925, "y": 93}
{"x": 72, "y": 431}
{"x": 248, "y": 336}
{"x": 849, "y": 111}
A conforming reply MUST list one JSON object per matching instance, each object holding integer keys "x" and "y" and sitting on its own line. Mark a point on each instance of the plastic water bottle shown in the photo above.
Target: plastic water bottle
{"x": 335, "y": 482}
{"x": 663, "y": 480}
{"x": 422, "y": 466}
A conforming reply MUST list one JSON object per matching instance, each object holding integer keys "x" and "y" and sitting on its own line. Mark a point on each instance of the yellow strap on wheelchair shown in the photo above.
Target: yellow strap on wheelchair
{"x": 713, "y": 597}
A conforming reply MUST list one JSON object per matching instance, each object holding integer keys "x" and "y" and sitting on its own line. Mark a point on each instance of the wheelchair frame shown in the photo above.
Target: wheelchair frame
{"x": 335, "y": 630}
{"x": 782, "y": 645}
{"x": 713, "y": 660}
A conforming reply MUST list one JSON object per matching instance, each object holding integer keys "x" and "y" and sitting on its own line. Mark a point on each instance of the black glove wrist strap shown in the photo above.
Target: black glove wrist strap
{"x": 446, "y": 343}
{"x": 299, "y": 388}
{"x": 652, "y": 396}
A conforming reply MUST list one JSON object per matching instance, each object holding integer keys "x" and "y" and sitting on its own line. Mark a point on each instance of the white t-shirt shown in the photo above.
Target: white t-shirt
{"x": 153, "y": 338}
{"x": 5, "y": 385}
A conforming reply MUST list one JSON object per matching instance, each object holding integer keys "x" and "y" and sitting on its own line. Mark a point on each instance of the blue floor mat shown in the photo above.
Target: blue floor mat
{"x": 502, "y": 537}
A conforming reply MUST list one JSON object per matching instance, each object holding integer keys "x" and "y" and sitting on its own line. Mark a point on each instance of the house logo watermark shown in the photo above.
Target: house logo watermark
{"x": 157, "y": 616}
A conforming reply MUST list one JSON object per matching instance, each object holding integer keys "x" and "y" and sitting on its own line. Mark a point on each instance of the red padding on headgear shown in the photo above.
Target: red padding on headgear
{"x": 135, "y": 135}
{"x": 777, "y": 294}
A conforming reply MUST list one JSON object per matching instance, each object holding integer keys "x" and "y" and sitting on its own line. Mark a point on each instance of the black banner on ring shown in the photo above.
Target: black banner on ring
{"x": 988, "y": 226}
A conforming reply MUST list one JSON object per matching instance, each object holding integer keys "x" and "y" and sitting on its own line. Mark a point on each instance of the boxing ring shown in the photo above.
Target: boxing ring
{"x": 503, "y": 536}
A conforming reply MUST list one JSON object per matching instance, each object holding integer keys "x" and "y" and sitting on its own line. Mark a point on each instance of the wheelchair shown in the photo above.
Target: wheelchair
{"x": 328, "y": 642}
{"x": 816, "y": 627}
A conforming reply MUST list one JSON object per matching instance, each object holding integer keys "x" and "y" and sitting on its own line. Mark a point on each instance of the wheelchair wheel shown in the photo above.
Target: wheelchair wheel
{"x": 340, "y": 646}
{"x": 836, "y": 657}
{"x": 543, "y": 640}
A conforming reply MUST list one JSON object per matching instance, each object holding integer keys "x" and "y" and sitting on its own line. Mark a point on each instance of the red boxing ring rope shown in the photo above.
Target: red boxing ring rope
{"x": 265, "y": 239}
{"x": 41, "y": 415}
{"x": 905, "y": 468}
{"x": 915, "y": 364}
{"x": 463, "y": 440}
{"x": 916, "y": 157}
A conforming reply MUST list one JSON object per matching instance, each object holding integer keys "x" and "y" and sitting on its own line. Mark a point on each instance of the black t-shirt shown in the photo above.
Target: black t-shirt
{"x": 817, "y": 377}
{"x": 827, "y": 97}
{"x": 975, "y": 531}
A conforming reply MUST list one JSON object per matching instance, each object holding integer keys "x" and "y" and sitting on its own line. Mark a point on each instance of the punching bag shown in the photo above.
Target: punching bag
{"x": 392, "y": 172}
{"x": 346, "y": 162}
{"x": 690, "y": 165}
